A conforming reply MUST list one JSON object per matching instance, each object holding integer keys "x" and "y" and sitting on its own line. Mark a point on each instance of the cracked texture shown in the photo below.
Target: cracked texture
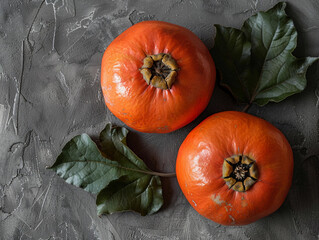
{"x": 50, "y": 91}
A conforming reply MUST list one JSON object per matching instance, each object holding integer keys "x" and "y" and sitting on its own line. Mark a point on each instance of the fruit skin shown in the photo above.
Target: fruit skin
{"x": 200, "y": 160}
{"x": 146, "y": 108}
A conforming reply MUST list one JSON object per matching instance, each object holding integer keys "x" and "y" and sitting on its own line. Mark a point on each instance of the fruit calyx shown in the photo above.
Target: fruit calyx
{"x": 159, "y": 70}
{"x": 240, "y": 172}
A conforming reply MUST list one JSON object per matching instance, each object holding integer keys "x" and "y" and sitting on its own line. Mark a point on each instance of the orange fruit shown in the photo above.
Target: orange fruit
{"x": 235, "y": 168}
{"x": 157, "y": 76}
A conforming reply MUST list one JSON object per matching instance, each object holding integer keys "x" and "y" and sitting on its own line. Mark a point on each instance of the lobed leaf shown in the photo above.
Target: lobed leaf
{"x": 143, "y": 195}
{"x": 256, "y": 62}
{"x": 121, "y": 179}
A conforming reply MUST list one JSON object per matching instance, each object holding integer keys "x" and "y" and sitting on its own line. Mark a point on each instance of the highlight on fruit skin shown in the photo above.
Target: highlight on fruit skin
{"x": 235, "y": 168}
{"x": 157, "y": 77}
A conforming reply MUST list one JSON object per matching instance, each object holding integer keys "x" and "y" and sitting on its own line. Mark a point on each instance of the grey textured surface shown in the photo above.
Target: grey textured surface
{"x": 50, "y": 91}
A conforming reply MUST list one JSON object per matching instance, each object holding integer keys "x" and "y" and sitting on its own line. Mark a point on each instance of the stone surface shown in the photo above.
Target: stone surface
{"x": 50, "y": 91}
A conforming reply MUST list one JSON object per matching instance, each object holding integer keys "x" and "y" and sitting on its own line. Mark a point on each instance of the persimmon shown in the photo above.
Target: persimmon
{"x": 157, "y": 76}
{"x": 235, "y": 168}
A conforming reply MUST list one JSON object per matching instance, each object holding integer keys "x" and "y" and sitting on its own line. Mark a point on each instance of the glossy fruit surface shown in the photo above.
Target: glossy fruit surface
{"x": 157, "y": 76}
{"x": 235, "y": 168}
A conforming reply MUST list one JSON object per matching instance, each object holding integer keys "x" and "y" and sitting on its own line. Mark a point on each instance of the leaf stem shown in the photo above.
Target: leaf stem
{"x": 146, "y": 172}
{"x": 130, "y": 169}
{"x": 162, "y": 174}
{"x": 246, "y": 107}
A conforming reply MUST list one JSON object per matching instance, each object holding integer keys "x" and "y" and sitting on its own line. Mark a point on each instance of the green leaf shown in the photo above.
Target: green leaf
{"x": 143, "y": 195}
{"x": 81, "y": 163}
{"x": 256, "y": 62}
{"x": 113, "y": 145}
{"x": 121, "y": 179}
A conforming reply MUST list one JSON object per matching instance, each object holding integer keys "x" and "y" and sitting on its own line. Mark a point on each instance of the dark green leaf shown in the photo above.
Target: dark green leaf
{"x": 256, "y": 62}
{"x": 122, "y": 179}
{"x": 82, "y": 164}
{"x": 113, "y": 144}
{"x": 143, "y": 195}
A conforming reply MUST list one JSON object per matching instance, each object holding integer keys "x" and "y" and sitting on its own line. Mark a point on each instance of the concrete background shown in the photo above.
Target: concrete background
{"x": 50, "y": 91}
